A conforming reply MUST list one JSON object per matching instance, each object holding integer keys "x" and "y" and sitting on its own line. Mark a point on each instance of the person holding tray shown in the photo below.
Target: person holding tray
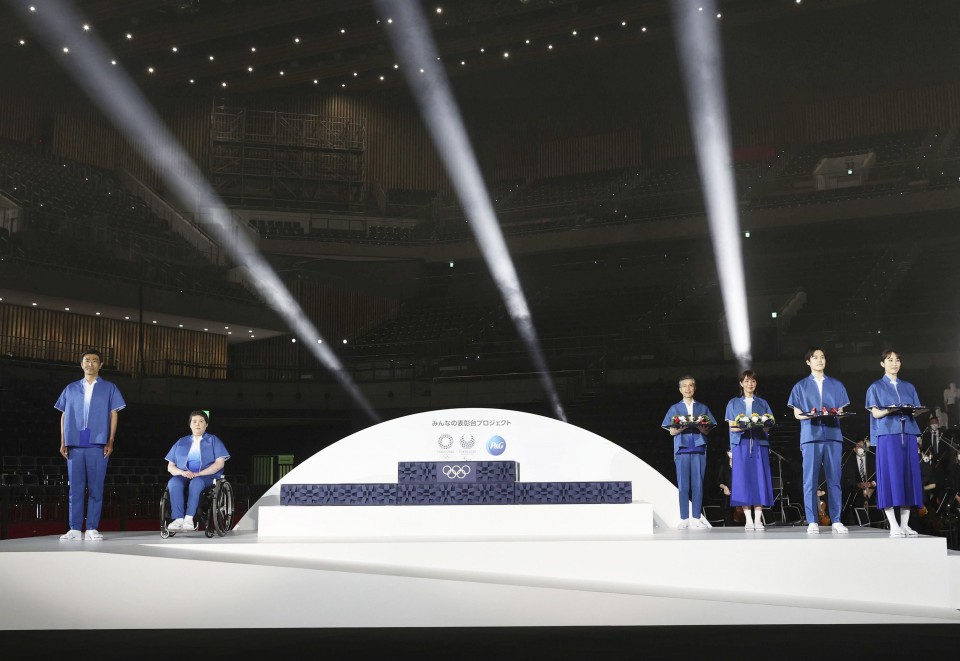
{"x": 749, "y": 418}
{"x": 892, "y": 403}
{"x": 689, "y": 422}
{"x": 817, "y": 402}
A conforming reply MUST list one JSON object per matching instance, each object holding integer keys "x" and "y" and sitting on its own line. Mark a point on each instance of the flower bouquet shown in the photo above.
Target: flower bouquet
{"x": 690, "y": 421}
{"x": 763, "y": 420}
{"x": 824, "y": 412}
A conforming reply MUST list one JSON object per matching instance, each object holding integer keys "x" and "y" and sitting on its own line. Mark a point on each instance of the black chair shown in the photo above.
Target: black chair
{"x": 215, "y": 511}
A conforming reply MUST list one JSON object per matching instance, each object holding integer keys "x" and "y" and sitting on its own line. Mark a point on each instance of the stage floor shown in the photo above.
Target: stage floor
{"x": 714, "y": 577}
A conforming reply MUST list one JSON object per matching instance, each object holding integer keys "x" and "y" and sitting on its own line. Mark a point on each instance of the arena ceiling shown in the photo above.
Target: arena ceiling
{"x": 252, "y": 46}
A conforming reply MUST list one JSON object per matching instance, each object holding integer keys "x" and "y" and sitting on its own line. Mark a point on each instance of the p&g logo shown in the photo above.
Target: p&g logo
{"x": 496, "y": 445}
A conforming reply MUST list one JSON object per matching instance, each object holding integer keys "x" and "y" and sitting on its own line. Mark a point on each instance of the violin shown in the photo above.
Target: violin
{"x": 823, "y": 515}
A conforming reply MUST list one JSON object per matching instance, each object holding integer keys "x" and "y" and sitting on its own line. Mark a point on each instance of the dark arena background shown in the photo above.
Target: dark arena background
{"x": 844, "y": 130}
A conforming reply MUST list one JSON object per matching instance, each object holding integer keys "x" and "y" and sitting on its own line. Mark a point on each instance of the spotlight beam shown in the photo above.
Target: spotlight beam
{"x": 409, "y": 32}
{"x": 698, "y": 48}
{"x": 57, "y": 25}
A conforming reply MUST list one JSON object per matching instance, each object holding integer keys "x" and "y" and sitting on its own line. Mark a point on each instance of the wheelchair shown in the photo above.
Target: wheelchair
{"x": 215, "y": 511}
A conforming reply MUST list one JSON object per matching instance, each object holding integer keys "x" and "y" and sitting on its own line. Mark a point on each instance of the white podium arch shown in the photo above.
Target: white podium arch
{"x": 547, "y": 450}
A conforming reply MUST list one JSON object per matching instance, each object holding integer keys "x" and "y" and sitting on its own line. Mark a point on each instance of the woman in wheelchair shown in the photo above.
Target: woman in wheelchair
{"x": 193, "y": 462}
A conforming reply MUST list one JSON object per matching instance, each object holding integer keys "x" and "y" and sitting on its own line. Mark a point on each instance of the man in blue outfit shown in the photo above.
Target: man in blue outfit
{"x": 821, "y": 441}
{"x": 689, "y": 451}
{"x": 88, "y": 427}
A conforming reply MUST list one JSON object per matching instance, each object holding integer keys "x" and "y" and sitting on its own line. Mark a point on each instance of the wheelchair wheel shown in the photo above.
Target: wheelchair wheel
{"x": 221, "y": 509}
{"x": 165, "y": 515}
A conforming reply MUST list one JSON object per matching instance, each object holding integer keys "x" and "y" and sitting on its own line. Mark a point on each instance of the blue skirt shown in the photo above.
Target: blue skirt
{"x": 898, "y": 471}
{"x": 751, "y": 475}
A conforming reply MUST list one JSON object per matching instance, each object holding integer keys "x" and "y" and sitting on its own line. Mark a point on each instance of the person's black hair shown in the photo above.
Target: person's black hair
{"x": 812, "y": 350}
{"x": 202, "y": 414}
{"x": 95, "y": 352}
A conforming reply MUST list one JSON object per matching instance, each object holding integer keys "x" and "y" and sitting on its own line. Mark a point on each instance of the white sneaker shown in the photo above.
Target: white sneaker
{"x": 684, "y": 524}
{"x": 71, "y": 536}
{"x": 748, "y": 527}
{"x": 175, "y": 525}
{"x": 697, "y": 524}
{"x": 896, "y": 532}
{"x": 839, "y": 529}
{"x": 93, "y": 536}
{"x": 188, "y": 523}
{"x": 813, "y": 529}
{"x": 909, "y": 532}
{"x": 758, "y": 525}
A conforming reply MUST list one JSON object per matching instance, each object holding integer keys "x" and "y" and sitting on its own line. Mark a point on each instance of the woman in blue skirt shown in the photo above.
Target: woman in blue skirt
{"x": 749, "y": 417}
{"x": 893, "y": 432}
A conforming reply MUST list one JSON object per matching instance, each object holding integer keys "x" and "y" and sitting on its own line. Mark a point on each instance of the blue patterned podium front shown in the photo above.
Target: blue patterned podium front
{"x": 492, "y": 493}
{"x": 457, "y": 471}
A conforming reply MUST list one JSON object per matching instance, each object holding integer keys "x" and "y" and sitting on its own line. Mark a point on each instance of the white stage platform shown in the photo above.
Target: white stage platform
{"x": 719, "y": 576}
{"x": 457, "y": 522}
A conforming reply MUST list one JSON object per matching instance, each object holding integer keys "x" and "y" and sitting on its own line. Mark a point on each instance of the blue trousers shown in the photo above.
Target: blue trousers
{"x": 177, "y": 485}
{"x": 690, "y": 469}
{"x": 814, "y": 454}
{"x": 86, "y": 468}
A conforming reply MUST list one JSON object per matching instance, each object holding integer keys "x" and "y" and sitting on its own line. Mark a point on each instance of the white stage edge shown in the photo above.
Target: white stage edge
{"x": 719, "y": 576}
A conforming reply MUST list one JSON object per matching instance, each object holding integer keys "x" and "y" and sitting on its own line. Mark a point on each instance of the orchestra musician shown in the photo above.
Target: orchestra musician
{"x": 859, "y": 482}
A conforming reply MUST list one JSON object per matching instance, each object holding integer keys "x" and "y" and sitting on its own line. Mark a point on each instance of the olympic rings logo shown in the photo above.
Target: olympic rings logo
{"x": 456, "y": 472}
{"x": 445, "y": 441}
{"x": 467, "y": 441}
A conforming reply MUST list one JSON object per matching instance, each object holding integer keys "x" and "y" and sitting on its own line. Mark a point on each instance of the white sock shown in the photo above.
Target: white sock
{"x": 748, "y": 515}
{"x": 904, "y": 516}
{"x": 891, "y": 518}
{"x": 758, "y": 515}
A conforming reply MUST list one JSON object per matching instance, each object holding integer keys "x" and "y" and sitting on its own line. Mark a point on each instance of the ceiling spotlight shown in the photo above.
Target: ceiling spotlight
{"x": 354, "y": 74}
{"x": 549, "y": 46}
{"x": 574, "y": 33}
{"x": 67, "y": 309}
{"x": 191, "y": 81}
{"x": 439, "y": 10}
{"x": 86, "y": 28}
{"x": 127, "y": 318}
{"x": 32, "y": 8}
{"x": 315, "y": 81}
{"x": 149, "y": 69}
{"x": 281, "y": 72}
{"x": 96, "y": 313}
{"x": 34, "y": 304}
{"x": 526, "y": 41}
{"x": 154, "y": 321}
{"x": 174, "y": 49}
{"x": 180, "y": 325}
{"x": 23, "y": 42}
{"x": 129, "y": 36}
{"x": 253, "y": 49}
{"x": 483, "y": 50}
{"x": 223, "y": 84}
{"x": 344, "y": 341}
{"x": 211, "y": 58}
{"x": 296, "y": 40}
{"x": 381, "y": 77}
{"x": 463, "y": 63}
{"x": 66, "y": 50}
{"x": 643, "y": 29}
{"x": 113, "y": 63}
{"x": 250, "y": 69}
{"x": 506, "y": 53}
{"x": 342, "y": 31}
{"x": 623, "y": 24}
{"x": 596, "y": 37}
{"x": 389, "y": 20}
